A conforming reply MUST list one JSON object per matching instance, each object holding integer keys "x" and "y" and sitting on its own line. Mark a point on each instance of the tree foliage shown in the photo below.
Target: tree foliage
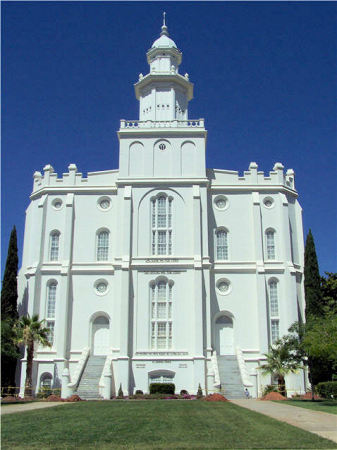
{"x": 281, "y": 361}
{"x": 29, "y": 331}
{"x": 9, "y": 314}
{"x": 312, "y": 280}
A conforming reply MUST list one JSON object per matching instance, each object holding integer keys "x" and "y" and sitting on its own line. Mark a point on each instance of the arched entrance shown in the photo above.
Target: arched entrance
{"x": 100, "y": 336}
{"x": 224, "y": 335}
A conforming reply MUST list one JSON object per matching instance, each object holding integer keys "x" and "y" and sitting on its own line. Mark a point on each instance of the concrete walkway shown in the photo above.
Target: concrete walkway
{"x": 321, "y": 423}
{"x": 17, "y": 407}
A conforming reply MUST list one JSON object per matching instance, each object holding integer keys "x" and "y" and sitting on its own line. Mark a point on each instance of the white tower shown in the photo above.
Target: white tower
{"x": 163, "y": 143}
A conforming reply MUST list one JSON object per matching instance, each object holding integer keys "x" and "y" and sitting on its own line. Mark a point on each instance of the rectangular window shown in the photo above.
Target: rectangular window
{"x": 270, "y": 245}
{"x": 51, "y": 326}
{"x": 274, "y": 331}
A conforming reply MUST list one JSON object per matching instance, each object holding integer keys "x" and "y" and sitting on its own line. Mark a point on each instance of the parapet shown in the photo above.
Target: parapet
{"x": 253, "y": 176}
{"x": 72, "y": 178}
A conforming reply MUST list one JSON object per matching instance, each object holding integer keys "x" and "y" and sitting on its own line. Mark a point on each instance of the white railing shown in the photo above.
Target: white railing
{"x": 104, "y": 385}
{"x": 198, "y": 123}
{"x": 79, "y": 368}
{"x": 215, "y": 367}
{"x": 243, "y": 368}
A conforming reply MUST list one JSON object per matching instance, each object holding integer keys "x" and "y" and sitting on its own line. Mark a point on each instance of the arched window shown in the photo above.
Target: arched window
{"x": 103, "y": 245}
{"x": 50, "y": 310}
{"x": 270, "y": 244}
{"x": 161, "y": 225}
{"x": 161, "y": 315}
{"x": 221, "y": 244}
{"x": 274, "y": 310}
{"x": 54, "y": 246}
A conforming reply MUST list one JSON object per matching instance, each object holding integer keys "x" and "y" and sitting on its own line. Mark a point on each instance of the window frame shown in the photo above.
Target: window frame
{"x": 161, "y": 226}
{"x": 105, "y": 248}
{"x": 268, "y": 246}
{"x": 217, "y": 231}
{"x": 53, "y": 234}
{"x": 161, "y": 314}
{"x": 274, "y": 311}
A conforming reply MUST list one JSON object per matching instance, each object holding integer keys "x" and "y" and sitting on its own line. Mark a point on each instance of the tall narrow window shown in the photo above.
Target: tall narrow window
{"x": 54, "y": 246}
{"x": 221, "y": 244}
{"x": 273, "y": 311}
{"x": 50, "y": 310}
{"x": 103, "y": 246}
{"x": 161, "y": 223}
{"x": 270, "y": 244}
{"x": 161, "y": 315}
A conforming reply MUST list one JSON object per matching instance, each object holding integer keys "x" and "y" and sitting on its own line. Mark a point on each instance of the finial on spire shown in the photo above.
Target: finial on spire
{"x": 164, "y": 31}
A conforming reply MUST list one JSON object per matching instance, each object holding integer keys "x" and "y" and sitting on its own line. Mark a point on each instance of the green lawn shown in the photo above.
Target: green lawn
{"x": 328, "y": 406}
{"x": 152, "y": 424}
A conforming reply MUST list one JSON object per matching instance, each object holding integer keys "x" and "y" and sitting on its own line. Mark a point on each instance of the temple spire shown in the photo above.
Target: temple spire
{"x": 164, "y": 31}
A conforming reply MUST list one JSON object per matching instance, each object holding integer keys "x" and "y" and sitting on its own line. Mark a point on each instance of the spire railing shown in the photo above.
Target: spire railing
{"x": 196, "y": 123}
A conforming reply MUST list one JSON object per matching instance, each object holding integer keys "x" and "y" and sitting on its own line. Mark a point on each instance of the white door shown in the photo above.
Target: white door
{"x": 224, "y": 338}
{"x": 101, "y": 341}
{"x": 100, "y": 334}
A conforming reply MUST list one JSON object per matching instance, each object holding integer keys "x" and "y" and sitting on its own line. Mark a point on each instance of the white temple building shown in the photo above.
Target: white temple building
{"x": 162, "y": 270}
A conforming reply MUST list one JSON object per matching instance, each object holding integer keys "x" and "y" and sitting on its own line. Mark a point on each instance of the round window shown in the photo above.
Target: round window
{"x": 104, "y": 203}
{"x": 101, "y": 287}
{"x": 221, "y": 202}
{"x": 162, "y": 146}
{"x": 223, "y": 286}
{"x": 268, "y": 202}
{"x": 57, "y": 203}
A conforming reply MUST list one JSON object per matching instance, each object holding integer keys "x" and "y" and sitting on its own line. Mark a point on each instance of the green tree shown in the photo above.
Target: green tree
{"x": 9, "y": 314}
{"x": 280, "y": 362}
{"x": 312, "y": 280}
{"x": 30, "y": 330}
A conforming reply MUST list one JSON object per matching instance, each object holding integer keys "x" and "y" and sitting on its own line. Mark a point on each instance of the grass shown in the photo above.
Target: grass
{"x": 152, "y": 424}
{"x": 329, "y": 406}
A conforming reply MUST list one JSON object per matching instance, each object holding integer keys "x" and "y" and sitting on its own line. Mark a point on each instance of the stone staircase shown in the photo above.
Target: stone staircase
{"x": 88, "y": 385}
{"x": 230, "y": 377}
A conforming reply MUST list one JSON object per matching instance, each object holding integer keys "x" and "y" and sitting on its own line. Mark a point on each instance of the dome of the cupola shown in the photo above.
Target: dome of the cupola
{"x": 164, "y": 42}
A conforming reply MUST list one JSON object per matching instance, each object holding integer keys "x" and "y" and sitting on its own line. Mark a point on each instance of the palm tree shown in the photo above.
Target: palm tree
{"x": 30, "y": 330}
{"x": 280, "y": 362}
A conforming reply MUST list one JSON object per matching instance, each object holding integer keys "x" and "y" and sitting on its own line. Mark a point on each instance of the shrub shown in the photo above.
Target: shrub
{"x": 162, "y": 388}
{"x": 45, "y": 392}
{"x": 199, "y": 392}
{"x": 120, "y": 392}
{"x": 327, "y": 389}
{"x": 269, "y": 388}
{"x": 139, "y": 392}
{"x": 183, "y": 392}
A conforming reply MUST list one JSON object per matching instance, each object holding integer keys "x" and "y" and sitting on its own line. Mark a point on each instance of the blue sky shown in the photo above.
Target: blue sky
{"x": 264, "y": 76}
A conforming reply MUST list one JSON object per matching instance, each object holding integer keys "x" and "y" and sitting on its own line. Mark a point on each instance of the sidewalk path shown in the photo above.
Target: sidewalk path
{"x": 321, "y": 423}
{"x": 17, "y": 407}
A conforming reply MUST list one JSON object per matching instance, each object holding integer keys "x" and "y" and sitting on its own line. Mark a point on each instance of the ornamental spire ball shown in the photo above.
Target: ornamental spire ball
{"x": 164, "y": 30}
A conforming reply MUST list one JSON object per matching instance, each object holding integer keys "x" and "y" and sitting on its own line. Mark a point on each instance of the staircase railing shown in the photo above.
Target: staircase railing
{"x": 79, "y": 368}
{"x": 104, "y": 385}
{"x": 215, "y": 367}
{"x": 243, "y": 368}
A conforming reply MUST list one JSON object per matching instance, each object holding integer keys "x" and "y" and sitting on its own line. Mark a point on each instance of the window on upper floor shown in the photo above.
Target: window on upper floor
{"x": 274, "y": 310}
{"x": 161, "y": 314}
{"x": 103, "y": 245}
{"x": 54, "y": 246}
{"x": 221, "y": 244}
{"x": 270, "y": 244}
{"x": 51, "y": 309}
{"x": 161, "y": 225}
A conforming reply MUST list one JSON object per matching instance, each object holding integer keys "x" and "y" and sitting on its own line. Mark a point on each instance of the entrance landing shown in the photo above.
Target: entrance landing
{"x": 321, "y": 423}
